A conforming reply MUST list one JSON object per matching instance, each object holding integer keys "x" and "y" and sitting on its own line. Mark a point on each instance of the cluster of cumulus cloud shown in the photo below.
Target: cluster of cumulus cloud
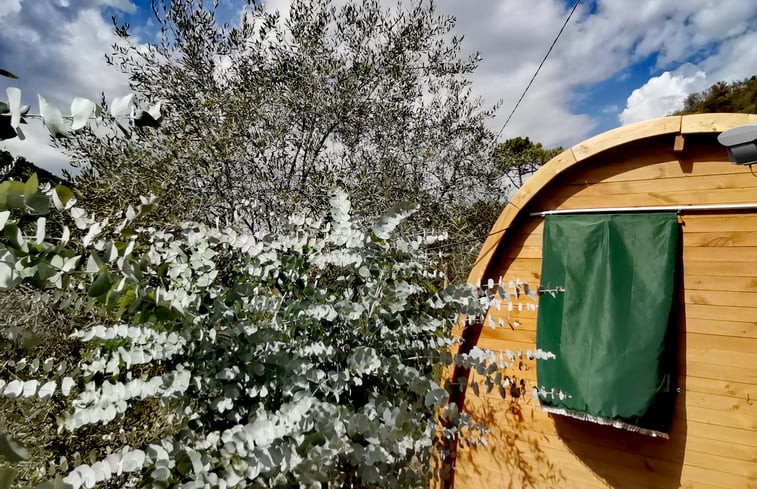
{"x": 668, "y": 49}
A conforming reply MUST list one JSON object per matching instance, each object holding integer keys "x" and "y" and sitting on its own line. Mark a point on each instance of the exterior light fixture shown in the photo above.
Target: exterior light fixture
{"x": 741, "y": 143}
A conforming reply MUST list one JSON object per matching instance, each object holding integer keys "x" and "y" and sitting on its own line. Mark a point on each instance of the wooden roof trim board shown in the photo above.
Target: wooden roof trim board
{"x": 703, "y": 123}
{"x": 674, "y": 125}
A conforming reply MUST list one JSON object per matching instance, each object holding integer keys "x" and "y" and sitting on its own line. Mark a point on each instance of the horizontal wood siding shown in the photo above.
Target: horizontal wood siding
{"x": 713, "y": 441}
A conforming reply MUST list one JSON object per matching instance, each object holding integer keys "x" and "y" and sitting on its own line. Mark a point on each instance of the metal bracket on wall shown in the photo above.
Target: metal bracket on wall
{"x": 553, "y": 291}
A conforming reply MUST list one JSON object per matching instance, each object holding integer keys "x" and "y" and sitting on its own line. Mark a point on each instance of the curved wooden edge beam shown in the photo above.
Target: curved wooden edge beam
{"x": 704, "y": 123}
{"x": 674, "y": 125}
{"x": 492, "y": 241}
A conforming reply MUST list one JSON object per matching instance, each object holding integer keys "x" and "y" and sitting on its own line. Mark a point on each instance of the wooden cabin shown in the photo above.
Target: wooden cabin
{"x": 671, "y": 164}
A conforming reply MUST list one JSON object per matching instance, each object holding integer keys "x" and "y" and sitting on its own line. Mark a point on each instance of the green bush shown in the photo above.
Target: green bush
{"x": 304, "y": 357}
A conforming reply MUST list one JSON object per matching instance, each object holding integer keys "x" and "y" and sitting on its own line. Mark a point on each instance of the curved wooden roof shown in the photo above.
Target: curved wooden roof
{"x": 673, "y": 125}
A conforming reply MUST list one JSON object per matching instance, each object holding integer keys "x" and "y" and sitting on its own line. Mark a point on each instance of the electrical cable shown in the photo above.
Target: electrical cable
{"x": 522, "y": 95}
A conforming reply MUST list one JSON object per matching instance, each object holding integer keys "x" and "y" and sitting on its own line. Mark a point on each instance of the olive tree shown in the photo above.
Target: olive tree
{"x": 271, "y": 111}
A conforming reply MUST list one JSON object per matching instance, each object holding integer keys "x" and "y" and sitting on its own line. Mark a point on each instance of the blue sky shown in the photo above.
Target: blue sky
{"x": 617, "y": 62}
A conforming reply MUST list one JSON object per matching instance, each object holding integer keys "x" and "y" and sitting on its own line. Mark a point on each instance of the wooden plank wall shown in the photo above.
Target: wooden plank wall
{"x": 714, "y": 435}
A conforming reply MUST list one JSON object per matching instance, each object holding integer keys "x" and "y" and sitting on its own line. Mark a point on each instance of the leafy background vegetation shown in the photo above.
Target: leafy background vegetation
{"x": 738, "y": 96}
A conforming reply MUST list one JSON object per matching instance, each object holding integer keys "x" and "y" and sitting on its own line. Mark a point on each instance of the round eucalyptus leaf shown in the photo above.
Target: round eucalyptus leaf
{"x": 14, "y": 105}
{"x": 30, "y": 388}
{"x": 109, "y": 414}
{"x": 102, "y": 470}
{"x": 20, "y": 133}
{"x": 120, "y": 105}
{"x": 47, "y": 390}
{"x": 154, "y": 111}
{"x": 133, "y": 460}
{"x": 142, "y": 118}
{"x": 72, "y": 480}
{"x": 13, "y": 389}
{"x": 87, "y": 476}
{"x": 40, "y": 236}
{"x": 31, "y": 186}
{"x": 81, "y": 109}
{"x": 8, "y": 275}
{"x": 66, "y": 385}
{"x": 100, "y": 285}
{"x": 65, "y": 194}
{"x": 53, "y": 118}
{"x": 37, "y": 204}
{"x": 161, "y": 474}
{"x": 11, "y": 450}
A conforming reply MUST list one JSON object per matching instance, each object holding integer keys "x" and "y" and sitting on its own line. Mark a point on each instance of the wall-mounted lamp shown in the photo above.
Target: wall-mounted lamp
{"x": 741, "y": 142}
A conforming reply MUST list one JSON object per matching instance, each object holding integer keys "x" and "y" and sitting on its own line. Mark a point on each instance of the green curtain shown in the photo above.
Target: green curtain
{"x": 613, "y": 329}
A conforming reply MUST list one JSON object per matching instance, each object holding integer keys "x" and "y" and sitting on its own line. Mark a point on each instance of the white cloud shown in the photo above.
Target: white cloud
{"x": 123, "y": 5}
{"x": 719, "y": 19}
{"x": 59, "y": 52}
{"x": 735, "y": 59}
{"x": 57, "y": 49}
{"x": 604, "y": 39}
{"x": 660, "y": 96}
{"x": 724, "y": 25}
{"x": 36, "y": 148}
{"x": 9, "y": 7}
{"x": 281, "y": 5}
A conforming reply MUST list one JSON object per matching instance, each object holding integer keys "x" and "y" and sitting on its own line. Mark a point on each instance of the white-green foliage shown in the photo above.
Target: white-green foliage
{"x": 123, "y": 114}
{"x": 302, "y": 358}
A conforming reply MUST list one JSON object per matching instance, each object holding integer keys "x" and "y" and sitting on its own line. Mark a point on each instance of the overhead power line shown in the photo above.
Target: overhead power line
{"x": 567, "y": 19}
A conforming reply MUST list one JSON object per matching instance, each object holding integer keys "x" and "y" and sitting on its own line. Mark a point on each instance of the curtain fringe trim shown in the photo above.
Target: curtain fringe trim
{"x": 606, "y": 421}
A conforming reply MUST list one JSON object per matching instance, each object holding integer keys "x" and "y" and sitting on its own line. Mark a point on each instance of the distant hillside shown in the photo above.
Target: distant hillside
{"x": 20, "y": 169}
{"x": 738, "y": 96}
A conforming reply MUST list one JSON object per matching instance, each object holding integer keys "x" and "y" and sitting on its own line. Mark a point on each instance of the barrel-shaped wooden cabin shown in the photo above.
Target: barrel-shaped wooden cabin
{"x": 671, "y": 169}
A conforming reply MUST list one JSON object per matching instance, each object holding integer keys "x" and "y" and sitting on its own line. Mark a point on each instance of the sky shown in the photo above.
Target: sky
{"x": 616, "y": 62}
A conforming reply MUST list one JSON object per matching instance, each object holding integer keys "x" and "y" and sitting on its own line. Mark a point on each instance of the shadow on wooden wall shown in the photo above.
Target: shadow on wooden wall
{"x": 516, "y": 454}
{"x": 625, "y": 459}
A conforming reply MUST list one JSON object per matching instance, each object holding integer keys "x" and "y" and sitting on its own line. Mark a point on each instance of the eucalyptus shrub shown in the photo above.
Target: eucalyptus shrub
{"x": 301, "y": 358}
{"x": 305, "y": 357}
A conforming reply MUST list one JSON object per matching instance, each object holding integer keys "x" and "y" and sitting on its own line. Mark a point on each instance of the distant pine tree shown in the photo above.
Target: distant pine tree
{"x": 738, "y": 96}
{"x": 519, "y": 157}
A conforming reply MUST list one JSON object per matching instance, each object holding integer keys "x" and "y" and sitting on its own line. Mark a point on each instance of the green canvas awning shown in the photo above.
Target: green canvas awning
{"x": 612, "y": 328}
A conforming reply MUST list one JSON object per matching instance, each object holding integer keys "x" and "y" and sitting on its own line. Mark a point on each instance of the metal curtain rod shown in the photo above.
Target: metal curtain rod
{"x": 662, "y": 208}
